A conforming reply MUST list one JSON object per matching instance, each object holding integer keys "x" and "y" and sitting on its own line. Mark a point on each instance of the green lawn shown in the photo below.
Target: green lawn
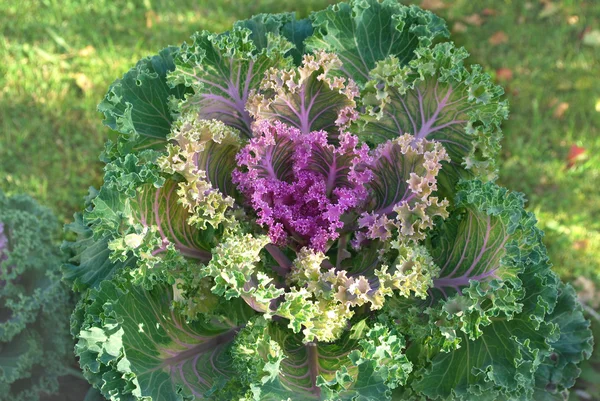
{"x": 59, "y": 57}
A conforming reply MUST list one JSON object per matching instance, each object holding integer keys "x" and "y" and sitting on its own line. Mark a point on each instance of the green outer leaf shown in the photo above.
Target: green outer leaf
{"x": 131, "y": 345}
{"x": 127, "y": 173}
{"x": 222, "y": 70}
{"x": 297, "y": 31}
{"x": 508, "y": 330}
{"x": 500, "y": 365}
{"x": 89, "y": 260}
{"x": 161, "y": 208}
{"x": 506, "y": 264}
{"x": 146, "y": 231}
{"x": 364, "y": 32}
{"x": 149, "y": 233}
{"x": 559, "y": 369}
{"x": 137, "y": 105}
{"x": 263, "y": 26}
{"x": 488, "y": 236}
{"x": 284, "y": 24}
{"x": 539, "y": 282}
{"x": 435, "y": 97}
{"x": 363, "y": 365}
{"x": 311, "y": 359}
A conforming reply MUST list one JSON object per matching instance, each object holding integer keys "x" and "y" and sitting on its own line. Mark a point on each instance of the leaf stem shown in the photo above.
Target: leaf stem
{"x": 313, "y": 366}
{"x": 74, "y": 372}
{"x": 342, "y": 252}
{"x": 282, "y": 260}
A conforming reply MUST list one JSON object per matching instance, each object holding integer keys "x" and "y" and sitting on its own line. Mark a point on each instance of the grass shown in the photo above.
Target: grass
{"x": 59, "y": 57}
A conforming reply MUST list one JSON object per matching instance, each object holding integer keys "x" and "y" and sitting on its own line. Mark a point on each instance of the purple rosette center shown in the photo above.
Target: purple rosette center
{"x": 299, "y": 184}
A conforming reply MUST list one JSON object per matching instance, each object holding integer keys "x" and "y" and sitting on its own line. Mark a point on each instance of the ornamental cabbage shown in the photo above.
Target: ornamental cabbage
{"x": 306, "y": 210}
{"x": 35, "y": 347}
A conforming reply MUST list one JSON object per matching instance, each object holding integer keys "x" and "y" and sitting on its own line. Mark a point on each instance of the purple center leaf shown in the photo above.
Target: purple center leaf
{"x": 299, "y": 185}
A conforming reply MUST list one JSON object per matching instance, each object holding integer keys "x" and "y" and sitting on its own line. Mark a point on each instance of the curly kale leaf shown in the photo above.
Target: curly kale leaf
{"x": 35, "y": 346}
